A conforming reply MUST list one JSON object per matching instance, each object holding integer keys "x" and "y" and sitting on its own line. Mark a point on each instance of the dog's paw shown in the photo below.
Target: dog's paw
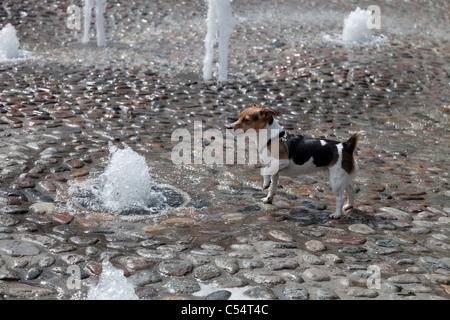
{"x": 335, "y": 215}
{"x": 348, "y": 207}
{"x": 267, "y": 200}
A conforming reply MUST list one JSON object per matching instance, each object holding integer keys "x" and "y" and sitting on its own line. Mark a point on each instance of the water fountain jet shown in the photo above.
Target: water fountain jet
{"x": 220, "y": 21}
{"x": 99, "y": 20}
{"x": 9, "y": 45}
{"x": 356, "y": 28}
{"x": 125, "y": 187}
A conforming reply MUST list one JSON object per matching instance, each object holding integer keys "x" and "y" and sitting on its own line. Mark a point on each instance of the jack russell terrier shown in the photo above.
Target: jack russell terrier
{"x": 294, "y": 155}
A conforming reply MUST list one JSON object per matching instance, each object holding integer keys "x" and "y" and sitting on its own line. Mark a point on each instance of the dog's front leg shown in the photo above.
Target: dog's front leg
{"x": 266, "y": 183}
{"x": 272, "y": 189}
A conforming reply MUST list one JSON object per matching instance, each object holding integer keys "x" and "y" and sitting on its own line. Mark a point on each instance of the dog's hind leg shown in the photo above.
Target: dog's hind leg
{"x": 340, "y": 198}
{"x": 340, "y": 182}
{"x": 350, "y": 189}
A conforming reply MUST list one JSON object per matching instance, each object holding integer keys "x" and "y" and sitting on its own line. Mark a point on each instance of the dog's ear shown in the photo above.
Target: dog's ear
{"x": 267, "y": 113}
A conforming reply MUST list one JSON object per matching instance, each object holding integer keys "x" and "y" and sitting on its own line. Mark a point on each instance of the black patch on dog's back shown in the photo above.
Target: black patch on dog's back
{"x": 301, "y": 149}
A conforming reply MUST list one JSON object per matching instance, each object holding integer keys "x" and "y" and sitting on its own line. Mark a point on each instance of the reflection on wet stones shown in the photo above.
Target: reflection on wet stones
{"x": 183, "y": 286}
{"x": 206, "y": 272}
{"x": 218, "y": 295}
{"x": 296, "y": 292}
{"x": 434, "y": 263}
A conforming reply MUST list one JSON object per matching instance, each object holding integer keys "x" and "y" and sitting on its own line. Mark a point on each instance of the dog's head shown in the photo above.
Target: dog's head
{"x": 255, "y": 117}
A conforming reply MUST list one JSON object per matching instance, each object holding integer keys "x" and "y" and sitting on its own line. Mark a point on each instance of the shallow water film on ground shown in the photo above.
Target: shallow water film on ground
{"x": 87, "y": 180}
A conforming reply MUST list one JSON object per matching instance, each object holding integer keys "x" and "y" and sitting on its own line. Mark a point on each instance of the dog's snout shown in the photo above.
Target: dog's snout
{"x": 231, "y": 126}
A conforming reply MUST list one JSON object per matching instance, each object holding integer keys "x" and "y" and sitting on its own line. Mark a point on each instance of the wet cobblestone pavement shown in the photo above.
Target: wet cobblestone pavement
{"x": 60, "y": 109}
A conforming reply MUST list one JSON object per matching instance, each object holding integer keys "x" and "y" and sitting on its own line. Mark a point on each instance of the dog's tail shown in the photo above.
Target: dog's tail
{"x": 350, "y": 144}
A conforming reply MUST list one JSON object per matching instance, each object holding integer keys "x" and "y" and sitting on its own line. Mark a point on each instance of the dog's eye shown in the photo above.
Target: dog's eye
{"x": 245, "y": 120}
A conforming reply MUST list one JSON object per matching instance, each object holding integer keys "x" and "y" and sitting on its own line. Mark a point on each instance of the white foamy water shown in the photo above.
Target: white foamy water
{"x": 356, "y": 30}
{"x": 9, "y": 45}
{"x": 355, "y": 27}
{"x": 127, "y": 184}
{"x": 124, "y": 187}
{"x": 112, "y": 285}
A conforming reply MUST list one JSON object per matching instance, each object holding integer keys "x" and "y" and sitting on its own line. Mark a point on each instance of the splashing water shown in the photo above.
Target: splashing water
{"x": 125, "y": 187}
{"x": 112, "y": 285}
{"x": 126, "y": 182}
{"x": 355, "y": 27}
{"x": 9, "y": 44}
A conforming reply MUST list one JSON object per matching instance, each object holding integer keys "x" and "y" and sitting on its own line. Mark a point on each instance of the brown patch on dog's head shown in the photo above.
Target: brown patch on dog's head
{"x": 255, "y": 118}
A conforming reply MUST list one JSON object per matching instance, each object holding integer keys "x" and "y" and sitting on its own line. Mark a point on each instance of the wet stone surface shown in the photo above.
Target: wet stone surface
{"x": 61, "y": 109}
